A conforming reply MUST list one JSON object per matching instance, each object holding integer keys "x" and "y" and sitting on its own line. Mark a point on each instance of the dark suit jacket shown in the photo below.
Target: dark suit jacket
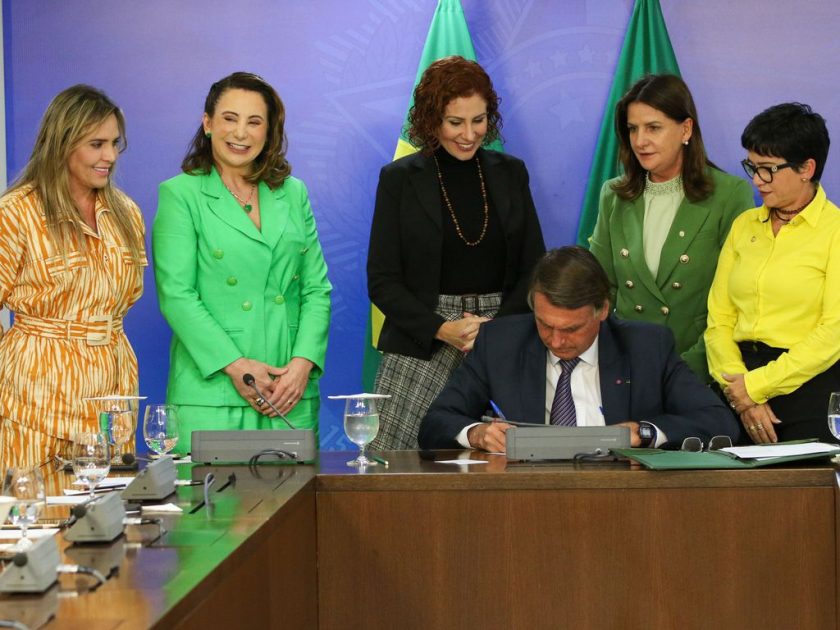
{"x": 406, "y": 239}
{"x": 641, "y": 377}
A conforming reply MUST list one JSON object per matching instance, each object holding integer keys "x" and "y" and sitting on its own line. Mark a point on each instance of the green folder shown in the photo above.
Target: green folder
{"x": 657, "y": 459}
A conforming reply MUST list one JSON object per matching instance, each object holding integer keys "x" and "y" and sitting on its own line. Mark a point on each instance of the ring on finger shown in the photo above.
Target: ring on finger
{"x": 259, "y": 402}
{"x": 759, "y": 427}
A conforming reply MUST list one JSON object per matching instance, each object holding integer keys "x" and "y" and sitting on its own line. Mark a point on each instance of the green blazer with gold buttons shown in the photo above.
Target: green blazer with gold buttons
{"x": 229, "y": 290}
{"x": 677, "y": 296}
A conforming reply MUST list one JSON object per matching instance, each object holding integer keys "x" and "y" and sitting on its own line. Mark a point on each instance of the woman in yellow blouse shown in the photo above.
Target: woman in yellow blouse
{"x": 71, "y": 264}
{"x": 773, "y": 337}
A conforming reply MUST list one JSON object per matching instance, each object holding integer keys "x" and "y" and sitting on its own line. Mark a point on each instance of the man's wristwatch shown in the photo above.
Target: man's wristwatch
{"x": 647, "y": 433}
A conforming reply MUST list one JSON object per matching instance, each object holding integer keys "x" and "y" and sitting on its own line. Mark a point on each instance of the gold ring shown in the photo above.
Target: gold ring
{"x": 259, "y": 401}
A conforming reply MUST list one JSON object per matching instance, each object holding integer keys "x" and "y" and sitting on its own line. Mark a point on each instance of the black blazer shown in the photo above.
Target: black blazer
{"x": 406, "y": 239}
{"x": 641, "y": 378}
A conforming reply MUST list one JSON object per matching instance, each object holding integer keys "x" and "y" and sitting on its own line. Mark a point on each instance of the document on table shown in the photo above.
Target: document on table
{"x": 770, "y": 451}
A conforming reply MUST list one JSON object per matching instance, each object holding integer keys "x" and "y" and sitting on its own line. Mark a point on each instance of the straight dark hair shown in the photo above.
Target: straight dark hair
{"x": 792, "y": 131}
{"x": 271, "y": 165}
{"x": 669, "y": 94}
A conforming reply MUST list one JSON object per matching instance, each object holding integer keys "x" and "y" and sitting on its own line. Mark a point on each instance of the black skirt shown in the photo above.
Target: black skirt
{"x": 803, "y": 412}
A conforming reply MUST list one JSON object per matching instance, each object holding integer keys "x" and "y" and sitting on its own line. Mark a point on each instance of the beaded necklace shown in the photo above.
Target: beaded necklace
{"x": 246, "y": 203}
{"x": 452, "y": 211}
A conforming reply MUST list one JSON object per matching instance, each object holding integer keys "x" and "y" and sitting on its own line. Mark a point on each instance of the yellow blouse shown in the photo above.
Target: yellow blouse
{"x": 67, "y": 341}
{"x": 783, "y": 291}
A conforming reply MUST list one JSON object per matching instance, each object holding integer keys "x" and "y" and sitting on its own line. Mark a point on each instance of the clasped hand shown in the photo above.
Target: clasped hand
{"x": 283, "y": 386}
{"x": 461, "y": 333}
{"x": 757, "y": 419}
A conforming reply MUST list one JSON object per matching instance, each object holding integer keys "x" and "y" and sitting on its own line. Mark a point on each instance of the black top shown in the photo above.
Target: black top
{"x": 406, "y": 245}
{"x": 464, "y": 268}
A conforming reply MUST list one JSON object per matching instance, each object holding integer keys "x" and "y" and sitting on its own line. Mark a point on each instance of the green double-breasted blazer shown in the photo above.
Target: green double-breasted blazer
{"x": 229, "y": 290}
{"x": 677, "y": 296}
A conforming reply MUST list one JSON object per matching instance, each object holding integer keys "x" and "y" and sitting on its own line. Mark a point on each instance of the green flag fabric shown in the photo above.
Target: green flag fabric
{"x": 448, "y": 35}
{"x": 646, "y": 50}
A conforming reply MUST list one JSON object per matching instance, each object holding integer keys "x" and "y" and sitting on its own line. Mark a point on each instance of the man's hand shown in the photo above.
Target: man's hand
{"x": 635, "y": 439}
{"x": 489, "y": 436}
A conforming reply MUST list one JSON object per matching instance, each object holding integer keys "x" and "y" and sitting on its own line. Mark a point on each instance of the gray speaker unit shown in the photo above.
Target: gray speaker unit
{"x": 217, "y": 447}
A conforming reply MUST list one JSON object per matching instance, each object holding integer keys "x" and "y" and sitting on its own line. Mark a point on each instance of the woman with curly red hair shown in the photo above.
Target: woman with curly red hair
{"x": 453, "y": 240}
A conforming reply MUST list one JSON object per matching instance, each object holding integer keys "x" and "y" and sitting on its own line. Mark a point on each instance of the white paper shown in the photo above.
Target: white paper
{"x": 163, "y": 507}
{"x": 461, "y": 462}
{"x": 14, "y": 534}
{"x": 108, "y": 482}
{"x": 71, "y": 499}
{"x": 365, "y": 396}
{"x": 767, "y": 451}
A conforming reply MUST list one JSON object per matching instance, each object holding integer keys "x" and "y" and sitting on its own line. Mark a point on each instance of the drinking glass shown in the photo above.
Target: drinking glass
{"x": 27, "y": 487}
{"x": 160, "y": 428}
{"x": 361, "y": 424}
{"x": 91, "y": 459}
{"x": 834, "y": 415}
{"x": 118, "y": 421}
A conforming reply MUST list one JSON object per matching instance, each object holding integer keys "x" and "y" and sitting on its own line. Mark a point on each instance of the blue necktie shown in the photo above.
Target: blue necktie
{"x": 563, "y": 405}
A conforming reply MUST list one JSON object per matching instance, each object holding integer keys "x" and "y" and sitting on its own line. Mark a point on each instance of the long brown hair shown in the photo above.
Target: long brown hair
{"x": 670, "y": 95}
{"x": 73, "y": 114}
{"x": 443, "y": 81}
{"x": 271, "y": 165}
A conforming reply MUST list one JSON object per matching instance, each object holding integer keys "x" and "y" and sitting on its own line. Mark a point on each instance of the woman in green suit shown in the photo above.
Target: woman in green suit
{"x": 661, "y": 224}
{"x": 240, "y": 274}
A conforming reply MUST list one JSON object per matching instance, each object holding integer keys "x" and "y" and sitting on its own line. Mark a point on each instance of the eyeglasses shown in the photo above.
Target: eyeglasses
{"x": 765, "y": 173}
{"x": 695, "y": 444}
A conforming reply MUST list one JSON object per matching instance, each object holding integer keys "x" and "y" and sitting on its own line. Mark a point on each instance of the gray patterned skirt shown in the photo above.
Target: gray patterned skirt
{"x": 414, "y": 383}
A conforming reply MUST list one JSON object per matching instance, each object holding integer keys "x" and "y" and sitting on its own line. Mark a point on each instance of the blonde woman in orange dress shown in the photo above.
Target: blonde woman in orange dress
{"x": 71, "y": 264}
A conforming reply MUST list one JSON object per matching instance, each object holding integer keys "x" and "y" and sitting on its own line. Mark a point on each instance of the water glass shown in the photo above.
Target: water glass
{"x": 160, "y": 428}
{"x": 91, "y": 459}
{"x": 28, "y": 489}
{"x": 834, "y": 415}
{"x": 361, "y": 424}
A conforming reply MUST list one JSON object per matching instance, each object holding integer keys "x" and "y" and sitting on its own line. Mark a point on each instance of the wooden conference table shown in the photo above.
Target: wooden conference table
{"x": 422, "y": 544}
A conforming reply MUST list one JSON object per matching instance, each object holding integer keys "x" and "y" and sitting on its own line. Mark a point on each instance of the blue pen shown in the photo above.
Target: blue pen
{"x": 602, "y": 410}
{"x": 497, "y": 410}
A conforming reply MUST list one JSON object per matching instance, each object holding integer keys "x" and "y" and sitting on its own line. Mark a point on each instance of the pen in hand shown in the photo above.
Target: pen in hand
{"x": 498, "y": 411}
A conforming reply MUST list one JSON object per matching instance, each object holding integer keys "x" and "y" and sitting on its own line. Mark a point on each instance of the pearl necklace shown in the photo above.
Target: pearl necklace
{"x": 452, "y": 211}
{"x": 246, "y": 203}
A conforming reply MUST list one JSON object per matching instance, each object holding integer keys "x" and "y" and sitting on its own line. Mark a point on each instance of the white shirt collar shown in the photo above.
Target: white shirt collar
{"x": 588, "y": 356}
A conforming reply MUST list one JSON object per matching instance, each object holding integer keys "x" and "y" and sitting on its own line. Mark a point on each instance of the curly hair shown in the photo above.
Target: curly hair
{"x": 271, "y": 165}
{"x": 669, "y": 94}
{"x": 443, "y": 81}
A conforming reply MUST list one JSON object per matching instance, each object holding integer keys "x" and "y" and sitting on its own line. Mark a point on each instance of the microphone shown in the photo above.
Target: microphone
{"x": 249, "y": 380}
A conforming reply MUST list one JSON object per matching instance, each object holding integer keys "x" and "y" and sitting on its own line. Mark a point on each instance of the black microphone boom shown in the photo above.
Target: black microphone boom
{"x": 249, "y": 380}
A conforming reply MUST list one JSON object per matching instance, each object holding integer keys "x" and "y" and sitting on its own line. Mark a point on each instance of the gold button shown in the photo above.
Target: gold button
{"x": 218, "y": 254}
{"x": 279, "y": 299}
{"x": 665, "y": 310}
{"x": 676, "y": 285}
{"x": 232, "y": 281}
{"x": 624, "y": 253}
{"x": 629, "y": 284}
{"x": 638, "y": 308}
{"x": 246, "y": 305}
{"x": 684, "y": 258}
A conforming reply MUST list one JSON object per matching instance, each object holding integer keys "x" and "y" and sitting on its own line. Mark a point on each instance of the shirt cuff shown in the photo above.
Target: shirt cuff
{"x": 461, "y": 438}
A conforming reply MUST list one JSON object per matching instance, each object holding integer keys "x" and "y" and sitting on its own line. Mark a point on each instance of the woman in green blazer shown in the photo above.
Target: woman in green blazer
{"x": 661, "y": 225}
{"x": 240, "y": 274}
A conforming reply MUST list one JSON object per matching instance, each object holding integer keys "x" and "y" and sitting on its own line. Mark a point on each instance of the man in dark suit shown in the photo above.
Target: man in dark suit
{"x": 571, "y": 363}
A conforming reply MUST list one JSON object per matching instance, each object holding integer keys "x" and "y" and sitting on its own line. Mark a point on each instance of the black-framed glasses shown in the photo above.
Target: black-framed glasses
{"x": 695, "y": 444}
{"x": 765, "y": 173}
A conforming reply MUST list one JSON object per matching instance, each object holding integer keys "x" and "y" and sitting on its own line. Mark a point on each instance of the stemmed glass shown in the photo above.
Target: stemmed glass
{"x": 28, "y": 489}
{"x": 91, "y": 459}
{"x": 160, "y": 428}
{"x": 361, "y": 424}
{"x": 117, "y": 420}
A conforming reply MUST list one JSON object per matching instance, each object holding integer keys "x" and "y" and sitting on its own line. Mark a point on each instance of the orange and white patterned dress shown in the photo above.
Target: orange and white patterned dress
{"x": 67, "y": 341}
